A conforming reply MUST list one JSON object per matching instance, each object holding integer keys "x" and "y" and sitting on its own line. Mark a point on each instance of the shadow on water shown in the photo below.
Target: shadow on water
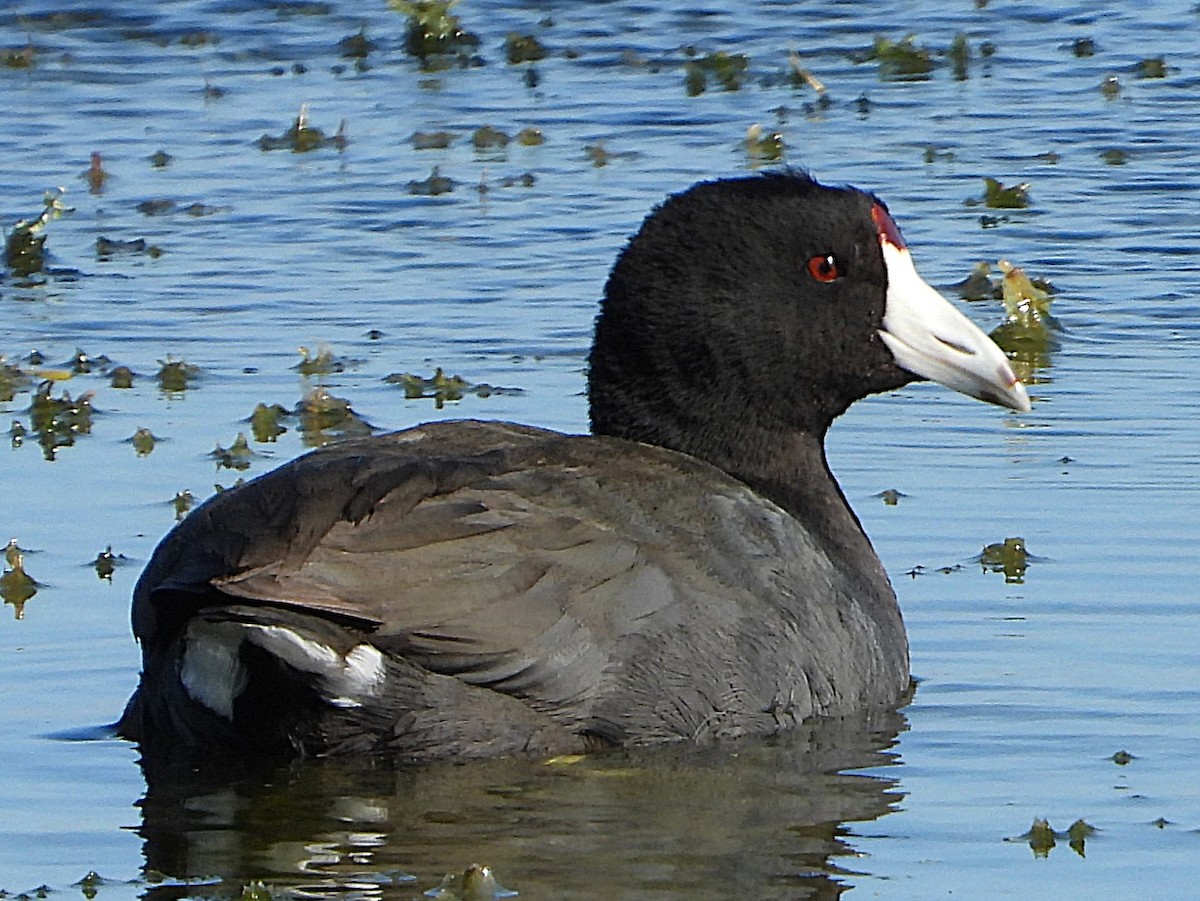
{"x": 754, "y": 819}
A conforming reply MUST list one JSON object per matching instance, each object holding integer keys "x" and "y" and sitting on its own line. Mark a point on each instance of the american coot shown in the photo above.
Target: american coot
{"x": 691, "y": 570}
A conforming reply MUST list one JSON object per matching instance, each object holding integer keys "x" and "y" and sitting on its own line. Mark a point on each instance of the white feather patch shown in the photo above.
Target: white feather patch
{"x": 213, "y": 674}
{"x": 210, "y": 671}
{"x": 342, "y": 681}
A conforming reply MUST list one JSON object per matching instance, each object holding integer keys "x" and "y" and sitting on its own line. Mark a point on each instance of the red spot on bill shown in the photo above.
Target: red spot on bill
{"x": 888, "y": 229}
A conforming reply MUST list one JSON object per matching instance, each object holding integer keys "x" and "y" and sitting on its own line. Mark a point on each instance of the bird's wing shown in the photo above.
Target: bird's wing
{"x": 500, "y": 555}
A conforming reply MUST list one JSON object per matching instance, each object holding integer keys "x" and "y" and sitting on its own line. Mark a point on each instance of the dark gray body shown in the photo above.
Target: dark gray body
{"x": 527, "y": 591}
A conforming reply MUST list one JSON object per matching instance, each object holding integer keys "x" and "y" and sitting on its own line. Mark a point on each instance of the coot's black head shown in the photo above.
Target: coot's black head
{"x": 772, "y": 303}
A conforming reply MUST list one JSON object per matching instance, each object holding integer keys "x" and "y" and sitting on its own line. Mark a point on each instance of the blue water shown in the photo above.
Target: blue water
{"x": 1027, "y": 689}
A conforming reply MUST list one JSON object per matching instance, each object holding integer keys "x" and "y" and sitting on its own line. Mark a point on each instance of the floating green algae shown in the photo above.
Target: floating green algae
{"x": 432, "y": 30}
{"x": 899, "y": 60}
{"x": 998, "y": 196}
{"x": 264, "y": 422}
{"x": 959, "y": 55}
{"x": 728, "y": 70}
{"x": 323, "y": 362}
{"x": 1152, "y": 67}
{"x": 106, "y": 564}
{"x": 356, "y": 46}
{"x": 475, "y": 883}
{"x": 95, "y": 174}
{"x": 436, "y": 184}
{"x": 302, "y": 137}
{"x": 12, "y": 379}
{"x": 121, "y": 377}
{"x": 431, "y": 140}
{"x": 58, "y": 420}
{"x": 325, "y": 417}
{"x": 763, "y": 146}
{"x": 1009, "y": 557}
{"x": 16, "y": 585}
{"x": 24, "y": 248}
{"x": 1042, "y": 838}
{"x": 175, "y": 376}
{"x": 182, "y": 503}
{"x": 143, "y": 441}
{"x": 1029, "y": 332}
{"x": 523, "y": 48}
{"x": 443, "y": 388}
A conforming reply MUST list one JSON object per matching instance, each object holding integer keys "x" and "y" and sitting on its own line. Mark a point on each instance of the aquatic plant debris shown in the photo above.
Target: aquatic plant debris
{"x": 175, "y": 376}
{"x": 237, "y": 456}
{"x": 19, "y": 59}
{"x": 997, "y": 196}
{"x": 107, "y": 248}
{"x": 254, "y": 891}
{"x": 799, "y": 76}
{"x": 57, "y": 420}
{"x": 763, "y": 146}
{"x": 1152, "y": 67}
{"x": 727, "y": 69}
{"x": 978, "y": 285}
{"x": 303, "y": 138}
{"x": 159, "y": 206}
{"x": 443, "y": 388}
{"x": 143, "y": 441}
{"x": 325, "y": 417}
{"x": 960, "y": 56}
{"x": 432, "y": 30}
{"x": 83, "y": 362}
{"x": 431, "y": 140}
{"x": 1024, "y": 301}
{"x": 524, "y": 180}
{"x": 323, "y": 362}
{"x": 530, "y": 137}
{"x": 356, "y": 46}
{"x": 1042, "y": 838}
{"x": 264, "y": 422}
{"x": 12, "y": 380}
{"x": 523, "y": 48}
{"x": 433, "y": 186}
{"x": 476, "y": 883}
{"x": 1029, "y": 333}
{"x": 901, "y": 59}
{"x": 16, "y": 585}
{"x": 24, "y": 248}
{"x": 121, "y": 377}
{"x": 95, "y": 174}
{"x": 487, "y": 138}
{"x": 1009, "y": 557}
{"x": 106, "y": 563}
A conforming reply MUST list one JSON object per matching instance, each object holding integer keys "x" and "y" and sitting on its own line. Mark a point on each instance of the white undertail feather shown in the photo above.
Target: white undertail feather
{"x": 210, "y": 670}
{"x": 213, "y": 674}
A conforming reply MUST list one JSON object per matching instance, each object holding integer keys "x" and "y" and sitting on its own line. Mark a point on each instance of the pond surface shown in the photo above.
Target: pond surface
{"x": 1030, "y": 682}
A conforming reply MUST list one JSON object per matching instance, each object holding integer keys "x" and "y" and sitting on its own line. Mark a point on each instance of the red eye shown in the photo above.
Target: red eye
{"x": 825, "y": 268}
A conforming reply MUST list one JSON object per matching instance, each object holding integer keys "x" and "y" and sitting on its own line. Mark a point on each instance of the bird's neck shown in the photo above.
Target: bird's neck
{"x": 790, "y": 468}
{"x": 786, "y": 466}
